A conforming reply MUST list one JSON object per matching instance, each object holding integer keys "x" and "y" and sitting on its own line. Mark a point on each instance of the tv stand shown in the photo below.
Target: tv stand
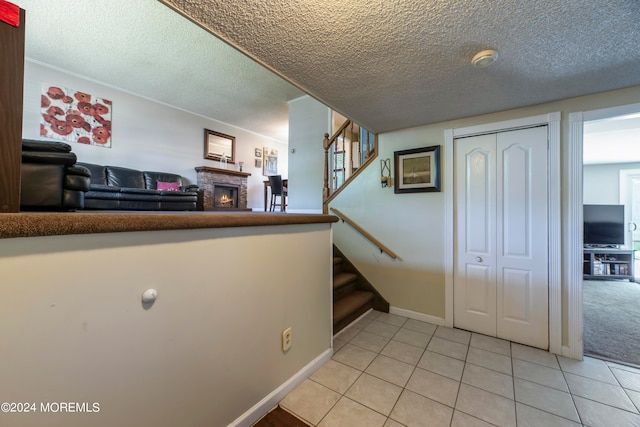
{"x": 608, "y": 264}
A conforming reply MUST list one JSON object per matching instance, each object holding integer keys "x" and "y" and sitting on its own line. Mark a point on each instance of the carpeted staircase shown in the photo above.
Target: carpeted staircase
{"x": 353, "y": 295}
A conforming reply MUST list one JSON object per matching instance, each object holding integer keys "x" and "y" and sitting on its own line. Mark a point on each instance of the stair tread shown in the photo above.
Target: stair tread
{"x": 341, "y": 279}
{"x": 350, "y": 303}
{"x": 337, "y": 260}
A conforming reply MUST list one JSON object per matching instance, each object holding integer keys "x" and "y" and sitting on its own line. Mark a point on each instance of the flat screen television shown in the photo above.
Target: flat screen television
{"x": 603, "y": 225}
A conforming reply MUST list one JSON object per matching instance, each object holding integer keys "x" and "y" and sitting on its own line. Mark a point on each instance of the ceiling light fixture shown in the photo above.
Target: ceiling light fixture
{"x": 484, "y": 58}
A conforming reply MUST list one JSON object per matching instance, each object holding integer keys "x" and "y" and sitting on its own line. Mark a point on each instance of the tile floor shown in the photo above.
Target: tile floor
{"x": 391, "y": 371}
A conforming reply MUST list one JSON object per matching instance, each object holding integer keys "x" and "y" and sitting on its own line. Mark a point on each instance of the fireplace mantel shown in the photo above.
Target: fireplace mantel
{"x": 209, "y": 169}
{"x": 209, "y": 177}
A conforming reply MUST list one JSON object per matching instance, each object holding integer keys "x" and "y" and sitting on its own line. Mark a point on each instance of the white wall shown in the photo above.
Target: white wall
{"x": 601, "y": 183}
{"x": 309, "y": 120}
{"x": 148, "y": 135}
{"x": 73, "y": 328}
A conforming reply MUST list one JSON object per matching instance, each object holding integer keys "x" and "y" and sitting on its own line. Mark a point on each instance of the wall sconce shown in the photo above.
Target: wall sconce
{"x": 385, "y": 173}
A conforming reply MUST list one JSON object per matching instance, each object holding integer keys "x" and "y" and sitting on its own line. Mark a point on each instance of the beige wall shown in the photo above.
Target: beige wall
{"x": 73, "y": 329}
{"x": 412, "y": 225}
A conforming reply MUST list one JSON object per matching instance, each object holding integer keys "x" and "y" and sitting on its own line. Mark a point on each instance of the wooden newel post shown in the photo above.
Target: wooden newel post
{"x": 11, "y": 81}
{"x": 325, "y": 189}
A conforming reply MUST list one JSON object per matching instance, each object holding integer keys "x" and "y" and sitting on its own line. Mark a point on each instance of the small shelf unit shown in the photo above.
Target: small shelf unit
{"x": 608, "y": 264}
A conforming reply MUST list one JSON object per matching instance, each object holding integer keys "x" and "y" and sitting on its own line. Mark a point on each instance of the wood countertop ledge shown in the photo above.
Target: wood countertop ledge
{"x": 33, "y": 224}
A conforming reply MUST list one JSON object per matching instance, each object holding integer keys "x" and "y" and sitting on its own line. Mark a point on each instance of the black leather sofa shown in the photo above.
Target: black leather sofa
{"x": 50, "y": 179}
{"x": 118, "y": 188}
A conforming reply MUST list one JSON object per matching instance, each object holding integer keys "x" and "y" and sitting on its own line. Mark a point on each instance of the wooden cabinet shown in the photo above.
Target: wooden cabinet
{"x": 608, "y": 264}
{"x": 11, "y": 88}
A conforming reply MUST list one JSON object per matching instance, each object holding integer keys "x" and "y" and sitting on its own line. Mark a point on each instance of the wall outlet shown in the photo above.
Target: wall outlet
{"x": 286, "y": 339}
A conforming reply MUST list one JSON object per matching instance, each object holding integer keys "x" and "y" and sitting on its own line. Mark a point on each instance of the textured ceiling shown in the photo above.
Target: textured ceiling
{"x": 145, "y": 48}
{"x": 391, "y": 64}
{"x": 387, "y": 64}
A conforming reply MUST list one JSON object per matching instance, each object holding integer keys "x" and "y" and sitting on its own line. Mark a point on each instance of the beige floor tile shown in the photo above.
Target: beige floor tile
{"x": 627, "y": 379}
{"x": 623, "y": 367}
{"x": 386, "y": 330}
{"x": 338, "y": 344}
{"x": 448, "y": 348}
{"x": 532, "y": 417}
{"x": 347, "y": 334}
{"x": 403, "y": 352}
{"x": 392, "y": 319}
{"x": 635, "y": 397}
{"x": 373, "y": 314}
{"x": 489, "y": 360}
{"x": 596, "y": 414}
{"x": 349, "y": 413}
{"x": 415, "y": 410}
{"x": 369, "y": 341}
{"x": 354, "y": 356}
{"x": 362, "y": 323}
{"x": 451, "y": 334}
{"x": 534, "y": 355}
{"x": 418, "y": 326}
{"x": 539, "y": 374}
{"x": 488, "y": 380}
{"x": 443, "y": 365}
{"x": 609, "y": 394}
{"x": 545, "y": 398}
{"x": 391, "y": 423}
{"x": 414, "y": 338}
{"x": 487, "y": 406}
{"x": 589, "y": 367}
{"x": 391, "y": 370}
{"x": 495, "y": 345}
{"x": 460, "y": 419}
{"x": 434, "y": 386}
{"x": 310, "y": 401}
{"x": 336, "y": 376}
{"x": 374, "y": 393}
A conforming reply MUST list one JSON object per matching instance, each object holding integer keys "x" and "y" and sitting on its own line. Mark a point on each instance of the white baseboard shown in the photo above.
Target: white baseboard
{"x": 417, "y": 316}
{"x": 272, "y": 399}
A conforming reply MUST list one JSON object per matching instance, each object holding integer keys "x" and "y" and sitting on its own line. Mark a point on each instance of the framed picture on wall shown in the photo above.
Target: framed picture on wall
{"x": 258, "y": 153}
{"x": 270, "y": 162}
{"x": 258, "y": 163}
{"x": 417, "y": 170}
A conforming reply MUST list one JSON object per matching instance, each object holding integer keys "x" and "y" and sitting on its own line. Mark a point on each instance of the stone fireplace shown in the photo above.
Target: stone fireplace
{"x": 222, "y": 189}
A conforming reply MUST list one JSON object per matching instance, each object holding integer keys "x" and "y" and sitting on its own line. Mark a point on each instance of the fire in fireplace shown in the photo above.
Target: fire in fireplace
{"x": 225, "y": 196}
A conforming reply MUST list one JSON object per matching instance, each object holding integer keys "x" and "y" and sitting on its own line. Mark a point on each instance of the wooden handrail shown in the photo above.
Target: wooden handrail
{"x": 368, "y": 236}
{"x": 326, "y": 144}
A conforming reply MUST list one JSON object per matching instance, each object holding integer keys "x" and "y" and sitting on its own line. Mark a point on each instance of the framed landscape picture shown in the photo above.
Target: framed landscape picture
{"x": 417, "y": 170}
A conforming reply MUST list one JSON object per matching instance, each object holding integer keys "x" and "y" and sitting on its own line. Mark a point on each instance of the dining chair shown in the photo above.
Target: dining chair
{"x": 277, "y": 189}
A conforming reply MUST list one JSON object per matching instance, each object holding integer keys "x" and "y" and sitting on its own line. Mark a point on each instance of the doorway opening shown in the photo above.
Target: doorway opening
{"x": 610, "y": 292}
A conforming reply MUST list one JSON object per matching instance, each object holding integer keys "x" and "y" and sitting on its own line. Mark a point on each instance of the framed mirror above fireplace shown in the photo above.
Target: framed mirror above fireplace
{"x": 218, "y": 145}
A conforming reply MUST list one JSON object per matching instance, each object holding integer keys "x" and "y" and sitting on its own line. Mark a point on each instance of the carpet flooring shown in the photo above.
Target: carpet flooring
{"x": 612, "y": 320}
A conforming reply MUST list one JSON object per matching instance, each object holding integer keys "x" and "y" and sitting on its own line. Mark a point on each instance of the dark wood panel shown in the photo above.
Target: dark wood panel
{"x": 11, "y": 88}
{"x": 280, "y": 418}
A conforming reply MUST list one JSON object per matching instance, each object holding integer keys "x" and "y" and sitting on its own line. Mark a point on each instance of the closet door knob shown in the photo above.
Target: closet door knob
{"x": 479, "y": 259}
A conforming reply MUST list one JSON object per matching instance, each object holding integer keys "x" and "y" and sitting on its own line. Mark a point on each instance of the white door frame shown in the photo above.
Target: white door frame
{"x": 574, "y": 244}
{"x": 552, "y": 120}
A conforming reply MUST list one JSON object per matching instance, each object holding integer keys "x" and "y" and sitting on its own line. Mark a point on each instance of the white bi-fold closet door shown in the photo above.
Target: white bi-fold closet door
{"x": 501, "y": 228}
